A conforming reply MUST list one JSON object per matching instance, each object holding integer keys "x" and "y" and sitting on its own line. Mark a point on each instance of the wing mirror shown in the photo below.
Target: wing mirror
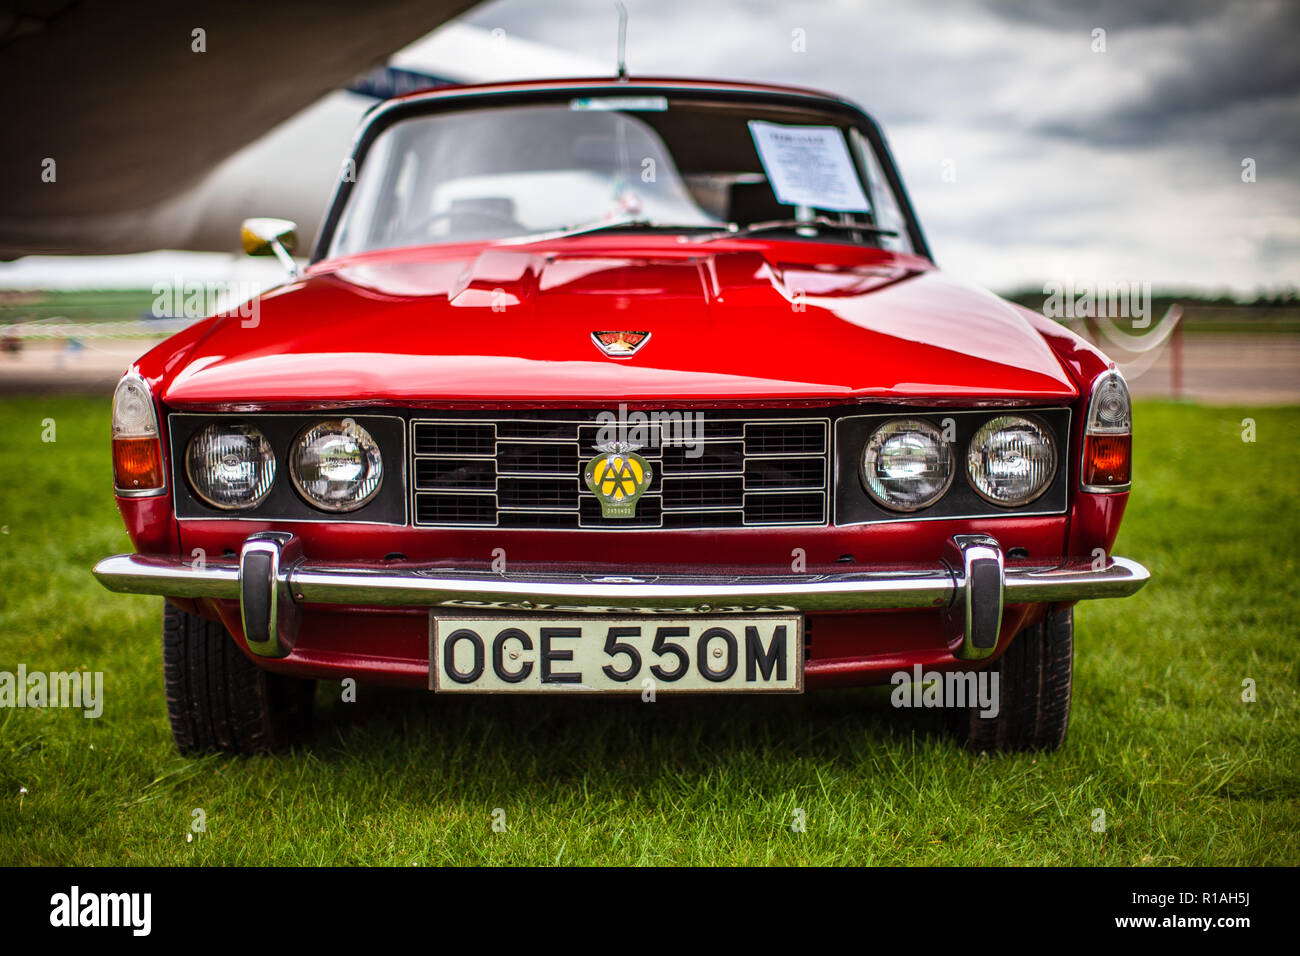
{"x": 271, "y": 237}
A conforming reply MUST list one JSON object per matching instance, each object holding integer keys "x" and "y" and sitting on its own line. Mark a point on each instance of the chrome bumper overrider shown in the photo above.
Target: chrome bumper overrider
{"x": 272, "y": 579}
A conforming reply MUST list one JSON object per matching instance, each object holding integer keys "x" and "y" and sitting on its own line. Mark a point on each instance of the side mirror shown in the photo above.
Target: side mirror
{"x": 271, "y": 237}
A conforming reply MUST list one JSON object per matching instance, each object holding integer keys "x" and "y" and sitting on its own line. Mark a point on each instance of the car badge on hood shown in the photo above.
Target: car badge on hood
{"x": 618, "y": 477}
{"x": 620, "y": 344}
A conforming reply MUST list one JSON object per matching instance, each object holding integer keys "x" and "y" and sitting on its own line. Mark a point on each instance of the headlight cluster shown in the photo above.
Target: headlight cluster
{"x": 334, "y": 464}
{"x": 1011, "y": 460}
{"x": 908, "y": 465}
{"x": 230, "y": 466}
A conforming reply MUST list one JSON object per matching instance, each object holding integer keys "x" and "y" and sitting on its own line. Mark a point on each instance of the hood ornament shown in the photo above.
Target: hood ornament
{"x": 620, "y": 344}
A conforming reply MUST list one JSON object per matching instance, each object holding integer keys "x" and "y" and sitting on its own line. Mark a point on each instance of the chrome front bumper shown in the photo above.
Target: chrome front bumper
{"x": 272, "y": 579}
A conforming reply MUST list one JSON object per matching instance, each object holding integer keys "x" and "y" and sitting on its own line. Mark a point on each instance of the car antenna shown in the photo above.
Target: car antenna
{"x": 622, "y": 39}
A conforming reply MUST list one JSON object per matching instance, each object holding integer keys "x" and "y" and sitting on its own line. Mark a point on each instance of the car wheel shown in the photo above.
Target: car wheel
{"x": 219, "y": 700}
{"x": 1034, "y": 679}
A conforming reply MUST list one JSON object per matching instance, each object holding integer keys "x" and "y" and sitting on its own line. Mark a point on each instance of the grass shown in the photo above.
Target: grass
{"x": 1186, "y": 772}
{"x": 88, "y": 305}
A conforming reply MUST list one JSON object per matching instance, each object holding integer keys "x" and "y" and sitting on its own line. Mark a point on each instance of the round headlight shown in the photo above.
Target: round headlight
{"x": 336, "y": 465}
{"x": 230, "y": 466}
{"x": 1011, "y": 460}
{"x": 907, "y": 465}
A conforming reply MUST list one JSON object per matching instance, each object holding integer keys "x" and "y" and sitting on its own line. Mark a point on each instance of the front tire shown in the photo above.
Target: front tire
{"x": 1035, "y": 676}
{"x": 219, "y": 700}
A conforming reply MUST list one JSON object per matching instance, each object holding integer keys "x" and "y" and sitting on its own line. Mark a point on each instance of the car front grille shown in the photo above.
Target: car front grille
{"x": 524, "y": 470}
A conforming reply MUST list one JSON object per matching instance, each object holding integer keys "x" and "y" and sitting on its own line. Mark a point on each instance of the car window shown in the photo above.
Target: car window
{"x": 889, "y": 213}
{"x": 490, "y": 173}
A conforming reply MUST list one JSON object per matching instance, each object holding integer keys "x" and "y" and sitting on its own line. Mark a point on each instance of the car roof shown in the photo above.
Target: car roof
{"x": 613, "y": 84}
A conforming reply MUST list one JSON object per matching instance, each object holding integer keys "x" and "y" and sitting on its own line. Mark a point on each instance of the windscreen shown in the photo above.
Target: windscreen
{"x": 634, "y": 163}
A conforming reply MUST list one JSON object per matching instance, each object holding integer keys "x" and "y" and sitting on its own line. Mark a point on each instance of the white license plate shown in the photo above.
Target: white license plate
{"x": 608, "y": 655}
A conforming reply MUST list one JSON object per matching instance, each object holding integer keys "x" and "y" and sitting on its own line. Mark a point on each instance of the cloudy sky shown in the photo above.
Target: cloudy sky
{"x": 1068, "y": 162}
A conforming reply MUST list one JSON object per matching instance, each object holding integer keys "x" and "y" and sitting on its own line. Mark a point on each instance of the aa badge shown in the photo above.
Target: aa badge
{"x": 618, "y": 477}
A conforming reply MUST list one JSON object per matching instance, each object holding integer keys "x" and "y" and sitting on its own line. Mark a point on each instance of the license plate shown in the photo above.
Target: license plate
{"x": 616, "y": 655}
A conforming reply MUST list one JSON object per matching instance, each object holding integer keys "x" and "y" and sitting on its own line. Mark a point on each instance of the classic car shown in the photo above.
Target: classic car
{"x": 640, "y": 387}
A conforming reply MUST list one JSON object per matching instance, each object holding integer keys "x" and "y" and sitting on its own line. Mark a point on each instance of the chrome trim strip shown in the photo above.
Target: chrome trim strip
{"x": 135, "y": 493}
{"x": 392, "y": 585}
{"x": 1107, "y": 489}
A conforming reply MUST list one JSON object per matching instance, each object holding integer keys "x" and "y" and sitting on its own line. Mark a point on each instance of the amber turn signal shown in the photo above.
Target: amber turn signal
{"x": 137, "y": 464}
{"x": 1107, "y": 460}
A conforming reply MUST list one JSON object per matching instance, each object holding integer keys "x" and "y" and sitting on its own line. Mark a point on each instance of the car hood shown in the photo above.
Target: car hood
{"x": 725, "y": 324}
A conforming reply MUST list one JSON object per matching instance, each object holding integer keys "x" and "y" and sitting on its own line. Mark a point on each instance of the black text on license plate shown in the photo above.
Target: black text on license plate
{"x": 613, "y": 655}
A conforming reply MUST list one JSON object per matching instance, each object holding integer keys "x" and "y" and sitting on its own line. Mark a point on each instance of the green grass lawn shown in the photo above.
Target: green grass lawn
{"x": 77, "y": 305}
{"x": 1160, "y": 739}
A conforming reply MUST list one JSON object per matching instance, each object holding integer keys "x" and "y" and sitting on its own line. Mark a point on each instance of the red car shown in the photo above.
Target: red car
{"x": 620, "y": 387}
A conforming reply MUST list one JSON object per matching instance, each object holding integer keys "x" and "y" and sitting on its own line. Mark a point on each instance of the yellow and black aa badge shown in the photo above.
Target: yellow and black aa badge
{"x": 618, "y": 478}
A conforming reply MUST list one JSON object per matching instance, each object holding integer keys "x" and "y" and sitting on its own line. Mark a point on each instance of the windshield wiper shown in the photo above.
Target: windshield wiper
{"x": 817, "y": 222}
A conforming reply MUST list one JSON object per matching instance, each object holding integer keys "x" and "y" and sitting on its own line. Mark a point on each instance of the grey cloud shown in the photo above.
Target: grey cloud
{"x": 1188, "y": 88}
{"x": 1226, "y": 67}
{"x": 1104, "y": 13}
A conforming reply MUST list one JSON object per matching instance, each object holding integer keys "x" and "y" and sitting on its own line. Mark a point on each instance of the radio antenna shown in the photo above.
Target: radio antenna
{"x": 622, "y": 39}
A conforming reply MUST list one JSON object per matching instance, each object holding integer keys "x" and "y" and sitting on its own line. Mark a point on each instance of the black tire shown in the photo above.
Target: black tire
{"x": 219, "y": 700}
{"x": 1034, "y": 683}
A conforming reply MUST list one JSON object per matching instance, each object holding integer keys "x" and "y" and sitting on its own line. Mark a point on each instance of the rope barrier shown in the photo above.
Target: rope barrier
{"x": 1137, "y": 344}
{"x": 60, "y": 328}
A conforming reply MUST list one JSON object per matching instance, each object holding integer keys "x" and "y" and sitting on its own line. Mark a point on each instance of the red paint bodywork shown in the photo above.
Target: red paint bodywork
{"x": 416, "y": 328}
